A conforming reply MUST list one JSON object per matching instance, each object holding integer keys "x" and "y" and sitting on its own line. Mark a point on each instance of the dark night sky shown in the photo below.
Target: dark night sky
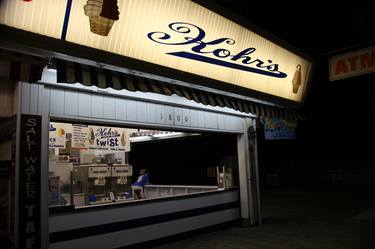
{"x": 315, "y": 28}
{"x": 339, "y": 125}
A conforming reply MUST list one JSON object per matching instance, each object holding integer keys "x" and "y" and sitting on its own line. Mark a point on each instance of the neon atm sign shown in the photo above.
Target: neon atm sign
{"x": 352, "y": 64}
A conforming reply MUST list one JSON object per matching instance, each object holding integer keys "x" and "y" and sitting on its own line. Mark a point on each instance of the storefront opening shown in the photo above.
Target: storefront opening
{"x": 91, "y": 165}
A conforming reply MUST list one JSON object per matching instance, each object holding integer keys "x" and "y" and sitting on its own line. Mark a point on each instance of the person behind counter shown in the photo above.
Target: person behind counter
{"x": 137, "y": 187}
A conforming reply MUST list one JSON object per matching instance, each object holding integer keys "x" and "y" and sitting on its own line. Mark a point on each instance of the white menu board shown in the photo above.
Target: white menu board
{"x": 79, "y": 136}
{"x": 103, "y": 138}
{"x": 106, "y": 138}
{"x": 58, "y": 134}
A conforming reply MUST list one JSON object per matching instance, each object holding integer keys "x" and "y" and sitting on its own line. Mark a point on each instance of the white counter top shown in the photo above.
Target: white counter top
{"x": 179, "y": 186}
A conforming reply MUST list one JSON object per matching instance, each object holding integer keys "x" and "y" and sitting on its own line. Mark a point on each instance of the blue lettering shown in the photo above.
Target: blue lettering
{"x": 202, "y": 44}
{"x": 244, "y": 55}
{"x": 113, "y": 142}
{"x": 106, "y": 133}
{"x": 191, "y": 34}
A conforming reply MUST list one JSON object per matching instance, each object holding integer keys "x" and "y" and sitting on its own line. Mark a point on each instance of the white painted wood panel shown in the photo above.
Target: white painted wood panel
{"x": 238, "y": 124}
{"x": 227, "y": 122}
{"x": 185, "y": 117}
{"x": 40, "y": 99}
{"x": 151, "y": 113}
{"x": 169, "y": 115}
{"x": 92, "y": 105}
{"x": 220, "y": 122}
{"x": 120, "y": 109}
{"x": 178, "y": 116}
{"x": 71, "y": 103}
{"x": 201, "y": 121}
{"x": 33, "y": 102}
{"x": 141, "y": 111}
{"x": 160, "y": 114}
{"x": 84, "y": 104}
{"x": 109, "y": 110}
{"x": 193, "y": 118}
{"x": 97, "y": 106}
{"x": 131, "y": 110}
{"x": 46, "y": 101}
{"x": 77, "y": 220}
{"x": 57, "y": 101}
{"x": 233, "y": 124}
{"x": 211, "y": 120}
{"x": 146, "y": 233}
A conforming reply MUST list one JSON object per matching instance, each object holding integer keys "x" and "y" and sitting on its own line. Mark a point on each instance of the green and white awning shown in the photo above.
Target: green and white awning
{"x": 73, "y": 72}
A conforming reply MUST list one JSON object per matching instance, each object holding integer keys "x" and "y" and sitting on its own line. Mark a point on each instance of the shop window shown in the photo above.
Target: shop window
{"x": 93, "y": 165}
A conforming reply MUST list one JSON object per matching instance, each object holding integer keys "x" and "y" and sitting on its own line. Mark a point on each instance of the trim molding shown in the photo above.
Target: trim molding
{"x": 130, "y": 224}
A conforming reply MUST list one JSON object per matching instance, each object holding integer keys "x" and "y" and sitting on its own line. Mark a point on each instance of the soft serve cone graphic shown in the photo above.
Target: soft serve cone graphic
{"x": 102, "y": 14}
{"x": 91, "y": 136}
{"x": 123, "y": 138}
{"x": 297, "y": 79}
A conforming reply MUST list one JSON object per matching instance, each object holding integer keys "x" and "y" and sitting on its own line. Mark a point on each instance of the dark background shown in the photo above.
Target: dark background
{"x": 335, "y": 141}
{"x": 183, "y": 161}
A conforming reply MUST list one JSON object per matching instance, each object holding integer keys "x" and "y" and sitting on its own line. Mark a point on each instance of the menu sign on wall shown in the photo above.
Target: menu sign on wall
{"x": 29, "y": 235}
{"x": 79, "y": 136}
{"x": 180, "y": 34}
{"x": 107, "y": 138}
{"x": 103, "y": 138}
{"x": 58, "y": 134}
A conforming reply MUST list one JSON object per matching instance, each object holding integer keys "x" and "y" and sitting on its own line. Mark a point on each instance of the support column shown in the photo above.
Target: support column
{"x": 32, "y": 169}
{"x": 248, "y": 175}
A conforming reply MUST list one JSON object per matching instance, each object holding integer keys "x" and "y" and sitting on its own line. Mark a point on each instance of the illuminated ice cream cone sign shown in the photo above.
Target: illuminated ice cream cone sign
{"x": 102, "y": 14}
{"x": 296, "y": 82}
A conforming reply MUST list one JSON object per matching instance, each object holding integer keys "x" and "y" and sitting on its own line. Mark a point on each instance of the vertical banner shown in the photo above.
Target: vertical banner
{"x": 29, "y": 226}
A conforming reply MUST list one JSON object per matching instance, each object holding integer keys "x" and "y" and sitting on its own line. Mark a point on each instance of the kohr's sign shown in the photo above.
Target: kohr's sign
{"x": 176, "y": 34}
{"x": 107, "y": 138}
{"x": 207, "y": 51}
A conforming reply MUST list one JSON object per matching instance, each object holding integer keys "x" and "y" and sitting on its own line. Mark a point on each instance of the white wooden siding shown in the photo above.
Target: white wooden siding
{"x": 60, "y": 102}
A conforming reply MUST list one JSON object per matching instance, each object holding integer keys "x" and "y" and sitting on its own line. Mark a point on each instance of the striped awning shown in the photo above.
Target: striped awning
{"x": 20, "y": 67}
{"x": 72, "y": 72}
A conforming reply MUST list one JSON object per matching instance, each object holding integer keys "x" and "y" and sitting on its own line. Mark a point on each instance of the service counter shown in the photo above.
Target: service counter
{"x": 138, "y": 222}
{"x": 155, "y": 191}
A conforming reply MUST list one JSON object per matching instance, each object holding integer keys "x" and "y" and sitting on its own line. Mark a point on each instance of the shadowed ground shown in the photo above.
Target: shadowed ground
{"x": 324, "y": 218}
